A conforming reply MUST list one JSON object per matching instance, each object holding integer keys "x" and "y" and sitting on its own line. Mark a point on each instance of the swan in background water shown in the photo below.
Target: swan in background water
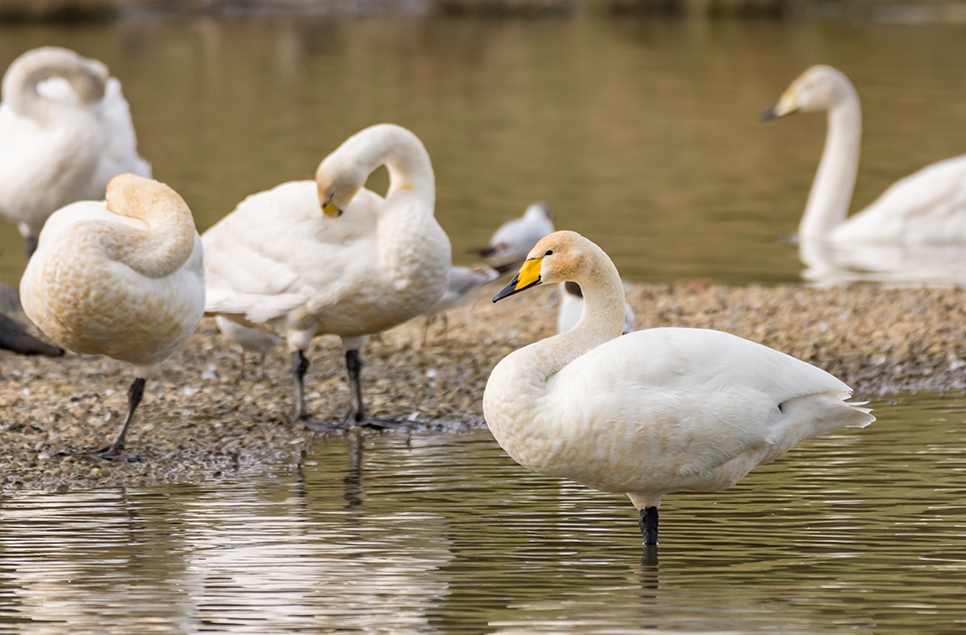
{"x": 572, "y": 307}
{"x": 654, "y": 411}
{"x": 65, "y": 131}
{"x": 927, "y": 207}
{"x": 290, "y": 261}
{"x": 514, "y": 239}
{"x": 122, "y": 277}
{"x": 249, "y": 339}
{"x": 464, "y": 284}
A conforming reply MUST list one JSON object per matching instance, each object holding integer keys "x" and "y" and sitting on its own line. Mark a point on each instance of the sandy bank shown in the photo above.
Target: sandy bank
{"x": 198, "y": 423}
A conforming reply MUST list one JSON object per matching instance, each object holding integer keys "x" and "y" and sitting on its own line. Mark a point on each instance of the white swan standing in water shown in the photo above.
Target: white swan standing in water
{"x": 927, "y": 207}
{"x": 65, "y": 131}
{"x": 122, "y": 277}
{"x": 654, "y": 411}
{"x": 290, "y": 261}
{"x": 514, "y": 239}
{"x": 248, "y": 339}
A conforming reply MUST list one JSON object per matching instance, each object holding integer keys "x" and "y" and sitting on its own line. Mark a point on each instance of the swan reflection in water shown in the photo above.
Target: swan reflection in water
{"x": 893, "y": 265}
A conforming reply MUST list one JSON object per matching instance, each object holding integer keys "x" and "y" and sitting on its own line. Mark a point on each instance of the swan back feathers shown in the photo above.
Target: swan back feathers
{"x": 123, "y": 278}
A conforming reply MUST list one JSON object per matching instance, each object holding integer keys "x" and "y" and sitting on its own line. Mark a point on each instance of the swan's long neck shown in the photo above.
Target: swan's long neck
{"x": 167, "y": 243}
{"x": 601, "y": 321}
{"x": 831, "y": 194}
{"x": 20, "y": 82}
{"x": 403, "y": 155}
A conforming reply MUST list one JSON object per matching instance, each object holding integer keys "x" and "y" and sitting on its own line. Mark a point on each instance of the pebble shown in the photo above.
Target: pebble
{"x": 198, "y": 423}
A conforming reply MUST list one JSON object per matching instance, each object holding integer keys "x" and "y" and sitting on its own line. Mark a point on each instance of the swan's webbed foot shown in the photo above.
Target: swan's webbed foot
{"x": 648, "y": 525}
{"x": 115, "y": 451}
{"x": 111, "y": 452}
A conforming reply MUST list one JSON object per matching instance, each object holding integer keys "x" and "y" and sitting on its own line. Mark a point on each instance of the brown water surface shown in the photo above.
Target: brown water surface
{"x": 644, "y": 135}
{"x": 858, "y": 532}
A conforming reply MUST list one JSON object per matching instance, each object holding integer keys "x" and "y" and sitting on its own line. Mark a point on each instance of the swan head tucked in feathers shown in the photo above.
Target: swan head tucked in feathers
{"x": 563, "y": 256}
{"x": 338, "y": 182}
{"x": 87, "y": 77}
{"x": 818, "y": 88}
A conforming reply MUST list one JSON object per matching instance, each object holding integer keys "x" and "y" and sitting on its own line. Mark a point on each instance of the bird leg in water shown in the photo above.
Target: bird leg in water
{"x": 300, "y": 364}
{"x": 353, "y": 362}
{"x": 116, "y": 450}
{"x": 648, "y": 523}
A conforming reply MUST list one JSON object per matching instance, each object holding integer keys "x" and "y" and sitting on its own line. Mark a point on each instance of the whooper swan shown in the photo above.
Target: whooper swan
{"x": 248, "y": 339}
{"x": 654, "y": 411}
{"x": 122, "y": 277}
{"x": 927, "y": 207}
{"x": 65, "y": 131}
{"x": 514, "y": 239}
{"x": 289, "y": 260}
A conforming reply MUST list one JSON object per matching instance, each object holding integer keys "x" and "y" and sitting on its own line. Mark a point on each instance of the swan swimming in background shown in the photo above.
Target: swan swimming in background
{"x": 464, "y": 285}
{"x": 329, "y": 256}
{"x": 65, "y": 131}
{"x": 514, "y": 239}
{"x": 654, "y": 411}
{"x": 572, "y": 307}
{"x": 927, "y": 207}
{"x": 122, "y": 277}
{"x": 248, "y": 339}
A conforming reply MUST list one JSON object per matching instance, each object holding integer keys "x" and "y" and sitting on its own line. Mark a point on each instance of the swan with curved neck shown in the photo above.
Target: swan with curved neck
{"x": 122, "y": 277}
{"x": 329, "y": 256}
{"x": 65, "y": 131}
{"x": 928, "y": 206}
{"x": 654, "y": 411}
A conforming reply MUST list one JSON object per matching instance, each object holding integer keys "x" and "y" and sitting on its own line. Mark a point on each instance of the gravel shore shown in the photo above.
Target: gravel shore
{"x": 199, "y": 423}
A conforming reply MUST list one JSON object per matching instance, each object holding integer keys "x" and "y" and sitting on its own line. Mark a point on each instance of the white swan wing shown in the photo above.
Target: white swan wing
{"x": 277, "y": 252}
{"x": 119, "y": 149}
{"x": 928, "y": 206}
{"x": 682, "y": 403}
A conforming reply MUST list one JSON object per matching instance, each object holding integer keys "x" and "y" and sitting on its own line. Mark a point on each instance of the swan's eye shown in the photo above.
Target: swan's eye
{"x": 549, "y": 252}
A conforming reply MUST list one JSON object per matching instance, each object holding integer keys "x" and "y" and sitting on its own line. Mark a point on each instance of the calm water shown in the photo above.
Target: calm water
{"x": 860, "y": 532}
{"x": 644, "y": 135}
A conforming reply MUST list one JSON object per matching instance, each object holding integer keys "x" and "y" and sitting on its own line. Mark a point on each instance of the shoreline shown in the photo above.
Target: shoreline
{"x": 198, "y": 424}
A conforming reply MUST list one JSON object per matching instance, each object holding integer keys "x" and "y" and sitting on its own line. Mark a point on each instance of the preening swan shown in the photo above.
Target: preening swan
{"x": 654, "y": 411}
{"x": 572, "y": 307}
{"x": 464, "y": 284}
{"x": 248, "y": 339}
{"x": 65, "y": 131}
{"x": 290, "y": 261}
{"x": 514, "y": 239}
{"x": 927, "y": 207}
{"x": 122, "y": 277}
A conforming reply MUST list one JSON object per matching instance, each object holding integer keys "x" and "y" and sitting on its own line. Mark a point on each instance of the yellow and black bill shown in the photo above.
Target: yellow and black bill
{"x": 529, "y": 276}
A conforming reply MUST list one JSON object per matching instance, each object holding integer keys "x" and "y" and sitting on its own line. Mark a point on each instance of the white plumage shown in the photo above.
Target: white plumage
{"x": 65, "y": 131}
{"x": 572, "y": 308}
{"x": 122, "y": 277}
{"x": 654, "y": 411}
{"x": 514, "y": 239}
{"x": 291, "y": 262}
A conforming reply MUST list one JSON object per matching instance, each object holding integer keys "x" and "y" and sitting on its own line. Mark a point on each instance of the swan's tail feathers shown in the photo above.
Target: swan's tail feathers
{"x": 827, "y": 411}
{"x": 861, "y": 421}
